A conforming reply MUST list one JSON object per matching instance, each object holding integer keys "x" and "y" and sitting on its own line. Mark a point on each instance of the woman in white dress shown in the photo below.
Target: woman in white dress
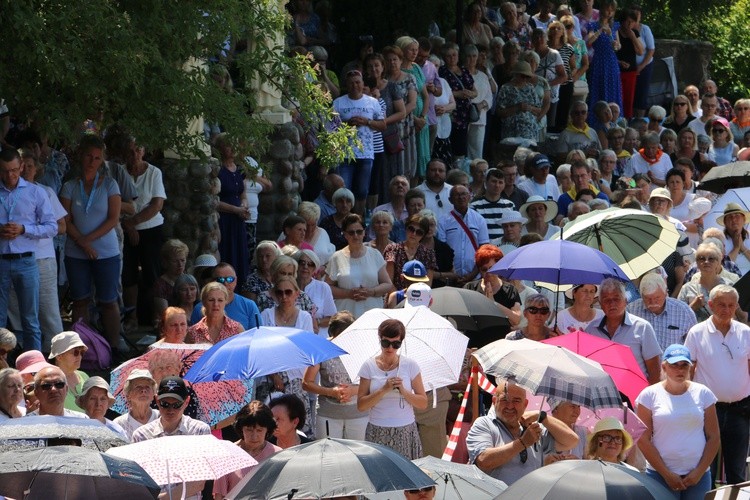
{"x": 579, "y": 315}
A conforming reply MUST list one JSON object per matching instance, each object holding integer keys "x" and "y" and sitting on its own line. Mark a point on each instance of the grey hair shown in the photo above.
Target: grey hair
{"x": 530, "y": 54}
{"x": 535, "y": 298}
{"x": 709, "y": 248}
{"x": 563, "y": 169}
{"x": 497, "y": 41}
{"x": 723, "y": 290}
{"x": 309, "y": 211}
{"x": 657, "y": 113}
{"x": 266, "y": 244}
{"x": 384, "y": 214}
{"x": 519, "y": 157}
{"x": 598, "y": 204}
{"x": 612, "y": 285}
{"x": 607, "y": 152}
{"x": 342, "y": 193}
{"x": 429, "y": 214}
{"x": 650, "y": 138}
{"x": 469, "y": 50}
{"x": 652, "y": 282}
{"x": 5, "y": 373}
{"x": 306, "y": 252}
{"x": 716, "y": 242}
{"x": 7, "y": 338}
{"x": 283, "y": 260}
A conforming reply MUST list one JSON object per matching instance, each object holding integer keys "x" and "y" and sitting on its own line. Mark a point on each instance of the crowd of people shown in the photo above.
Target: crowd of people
{"x": 447, "y": 179}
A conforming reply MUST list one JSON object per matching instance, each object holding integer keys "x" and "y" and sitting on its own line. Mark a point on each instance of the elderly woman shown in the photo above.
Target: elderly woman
{"x": 551, "y": 68}
{"x": 92, "y": 253}
{"x": 609, "y": 441}
{"x": 682, "y": 428}
{"x": 462, "y": 85}
{"x": 254, "y": 424}
{"x": 536, "y": 311}
{"x": 338, "y": 416}
{"x": 567, "y": 413}
{"x": 95, "y": 399}
{"x": 11, "y": 394}
{"x": 318, "y": 291}
{"x": 734, "y": 221}
{"x": 294, "y": 228}
{"x": 7, "y": 344}
{"x": 740, "y": 124}
{"x": 260, "y": 279}
{"x": 185, "y": 293}
{"x": 443, "y": 252}
{"x": 483, "y": 101}
{"x": 357, "y": 273}
{"x": 398, "y": 254}
{"x": 315, "y": 236}
{"x": 695, "y": 293}
{"x": 582, "y": 312}
{"x": 723, "y": 149}
{"x": 173, "y": 326}
{"x": 406, "y": 85}
{"x": 67, "y": 353}
{"x": 390, "y": 388}
{"x": 680, "y": 115}
{"x": 518, "y": 104}
{"x": 382, "y": 225}
{"x": 343, "y": 200}
{"x": 539, "y": 213}
{"x": 651, "y": 160}
{"x": 215, "y": 325}
{"x": 289, "y": 414}
{"x": 410, "y": 48}
{"x": 139, "y": 390}
{"x": 173, "y": 256}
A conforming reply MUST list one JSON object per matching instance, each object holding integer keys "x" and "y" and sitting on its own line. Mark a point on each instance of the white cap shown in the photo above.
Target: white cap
{"x": 418, "y": 294}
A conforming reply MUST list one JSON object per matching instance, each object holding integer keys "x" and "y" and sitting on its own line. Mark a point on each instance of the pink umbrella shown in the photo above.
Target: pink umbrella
{"x": 616, "y": 359}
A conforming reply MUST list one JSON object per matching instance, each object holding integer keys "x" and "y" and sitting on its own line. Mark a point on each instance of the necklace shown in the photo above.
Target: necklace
{"x": 388, "y": 367}
{"x": 289, "y": 319}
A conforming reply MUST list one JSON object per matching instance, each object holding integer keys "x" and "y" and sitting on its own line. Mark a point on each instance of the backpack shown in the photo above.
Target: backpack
{"x": 99, "y": 353}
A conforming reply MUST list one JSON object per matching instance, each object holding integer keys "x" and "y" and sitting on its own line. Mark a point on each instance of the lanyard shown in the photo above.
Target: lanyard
{"x": 90, "y": 199}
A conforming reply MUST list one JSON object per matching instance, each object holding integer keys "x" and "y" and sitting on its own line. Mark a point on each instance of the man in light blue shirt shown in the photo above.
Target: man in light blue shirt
{"x": 243, "y": 310}
{"x": 25, "y": 218}
{"x": 464, "y": 230}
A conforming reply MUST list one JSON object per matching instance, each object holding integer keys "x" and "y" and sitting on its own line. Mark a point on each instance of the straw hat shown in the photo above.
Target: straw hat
{"x": 660, "y": 193}
{"x": 536, "y": 199}
{"x": 733, "y": 208}
{"x": 611, "y": 424}
{"x": 522, "y": 68}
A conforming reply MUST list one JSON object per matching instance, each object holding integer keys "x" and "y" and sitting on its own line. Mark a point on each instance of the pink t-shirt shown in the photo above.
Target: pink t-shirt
{"x": 224, "y": 484}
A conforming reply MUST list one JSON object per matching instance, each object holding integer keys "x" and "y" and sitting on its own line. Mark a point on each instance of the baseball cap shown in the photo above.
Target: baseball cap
{"x": 418, "y": 294}
{"x": 139, "y": 373}
{"x": 172, "y": 387}
{"x": 205, "y": 260}
{"x": 538, "y": 161}
{"x": 676, "y": 353}
{"x": 415, "y": 271}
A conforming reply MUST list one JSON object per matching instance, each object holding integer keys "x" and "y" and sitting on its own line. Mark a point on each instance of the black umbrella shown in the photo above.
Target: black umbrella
{"x": 743, "y": 289}
{"x": 331, "y": 468}
{"x": 73, "y": 473}
{"x": 732, "y": 175}
{"x": 585, "y": 480}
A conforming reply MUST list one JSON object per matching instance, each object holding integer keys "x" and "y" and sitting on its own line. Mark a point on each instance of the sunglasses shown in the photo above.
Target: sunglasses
{"x": 306, "y": 263}
{"x": 416, "y": 230}
{"x": 439, "y": 201}
{"x": 706, "y": 259}
{"x": 680, "y": 104}
{"x": 355, "y": 232}
{"x": 174, "y": 406}
{"x": 78, "y": 352}
{"x": 718, "y": 130}
{"x": 225, "y": 279}
{"x": 47, "y": 386}
{"x": 385, "y": 343}
{"x": 538, "y": 310}
{"x": 286, "y": 292}
{"x": 421, "y": 490}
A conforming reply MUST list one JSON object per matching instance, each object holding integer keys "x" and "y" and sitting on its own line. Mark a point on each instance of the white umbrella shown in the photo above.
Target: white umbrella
{"x": 430, "y": 340}
{"x": 174, "y": 459}
{"x": 740, "y": 196}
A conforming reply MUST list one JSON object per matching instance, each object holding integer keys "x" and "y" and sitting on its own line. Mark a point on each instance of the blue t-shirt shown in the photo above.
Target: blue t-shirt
{"x": 88, "y": 220}
{"x": 243, "y": 310}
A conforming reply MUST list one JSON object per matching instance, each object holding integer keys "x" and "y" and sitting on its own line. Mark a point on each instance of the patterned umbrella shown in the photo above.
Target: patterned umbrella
{"x": 551, "y": 371}
{"x": 27, "y": 431}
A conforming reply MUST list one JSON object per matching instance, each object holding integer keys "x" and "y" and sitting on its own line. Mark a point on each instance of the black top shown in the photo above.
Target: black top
{"x": 627, "y": 52}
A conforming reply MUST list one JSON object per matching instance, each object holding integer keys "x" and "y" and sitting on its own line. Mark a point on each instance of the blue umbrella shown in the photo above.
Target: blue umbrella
{"x": 261, "y": 351}
{"x": 559, "y": 262}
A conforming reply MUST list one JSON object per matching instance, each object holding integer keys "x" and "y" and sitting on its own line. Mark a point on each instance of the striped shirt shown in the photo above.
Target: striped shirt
{"x": 492, "y": 211}
{"x": 377, "y": 136}
{"x": 672, "y": 325}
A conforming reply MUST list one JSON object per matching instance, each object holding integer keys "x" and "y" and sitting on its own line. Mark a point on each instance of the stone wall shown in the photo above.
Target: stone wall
{"x": 692, "y": 59}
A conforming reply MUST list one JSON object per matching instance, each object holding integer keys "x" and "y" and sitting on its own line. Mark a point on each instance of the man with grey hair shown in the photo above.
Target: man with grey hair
{"x": 397, "y": 188}
{"x": 671, "y": 318}
{"x": 618, "y": 325}
{"x": 51, "y": 388}
{"x": 578, "y": 135}
{"x": 720, "y": 351}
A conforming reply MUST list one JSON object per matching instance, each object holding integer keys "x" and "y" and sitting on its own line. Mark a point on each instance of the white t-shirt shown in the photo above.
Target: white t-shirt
{"x": 149, "y": 185}
{"x": 129, "y": 424}
{"x": 366, "y": 107}
{"x": 252, "y": 189}
{"x": 392, "y": 410}
{"x": 566, "y": 323}
{"x": 45, "y": 247}
{"x": 549, "y": 190}
{"x": 677, "y": 423}
{"x": 444, "y": 120}
{"x": 349, "y": 273}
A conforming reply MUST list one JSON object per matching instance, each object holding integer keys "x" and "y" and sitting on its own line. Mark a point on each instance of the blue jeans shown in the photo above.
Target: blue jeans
{"x": 695, "y": 492}
{"x": 24, "y": 275}
{"x": 356, "y": 175}
{"x": 735, "y": 433}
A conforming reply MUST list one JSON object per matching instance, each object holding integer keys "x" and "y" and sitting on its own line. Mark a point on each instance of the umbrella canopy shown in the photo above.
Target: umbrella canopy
{"x": 637, "y": 241}
{"x": 73, "y": 473}
{"x": 558, "y": 262}
{"x": 92, "y": 433}
{"x": 739, "y": 491}
{"x": 551, "y": 371}
{"x": 430, "y": 340}
{"x": 739, "y": 196}
{"x": 330, "y": 468}
{"x": 262, "y": 351}
{"x": 471, "y": 310}
{"x": 586, "y": 480}
{"x": 454, "y": 481}
{"x": 173, "y": 459}
{"x": 743, "y": 289}
{"x": 730, "y": 176}
{"x": 615, "y": 358}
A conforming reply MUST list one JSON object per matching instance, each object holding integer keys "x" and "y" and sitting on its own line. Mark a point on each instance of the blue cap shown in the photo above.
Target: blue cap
{"x": 676, "y": 353}
{"x": 415, "y": 271}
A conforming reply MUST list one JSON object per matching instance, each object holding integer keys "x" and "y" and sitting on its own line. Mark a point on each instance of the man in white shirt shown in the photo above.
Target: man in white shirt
{"x": 709, "y": 106}
{"x": 720, "y": 348}
{"x": 538, "y": 181}
{"x": 436, "y": 191}
{"x": 464, "y": 230}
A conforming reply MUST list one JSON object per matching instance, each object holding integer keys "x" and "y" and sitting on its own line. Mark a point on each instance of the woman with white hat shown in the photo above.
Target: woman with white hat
{"x": 540, "y": 213}
{"x": 737, "y": 247}
{"x": 582, "y": 312}
{"x": 95, "y": 399}
{"x": 139, "y": 389}
{"x": 67, "y": 353}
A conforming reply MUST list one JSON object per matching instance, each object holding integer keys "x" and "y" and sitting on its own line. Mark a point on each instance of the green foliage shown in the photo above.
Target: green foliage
{"x": 142, "y": 63}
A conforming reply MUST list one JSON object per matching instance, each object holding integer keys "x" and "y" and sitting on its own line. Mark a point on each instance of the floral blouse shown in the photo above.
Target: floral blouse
{"x": 198, "y": 333}
{"x": 396, "y": 253}
{"x": 460, "y": 116}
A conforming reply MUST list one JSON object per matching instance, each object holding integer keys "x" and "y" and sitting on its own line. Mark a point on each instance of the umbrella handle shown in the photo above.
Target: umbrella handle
{"x": 291, "y": 493}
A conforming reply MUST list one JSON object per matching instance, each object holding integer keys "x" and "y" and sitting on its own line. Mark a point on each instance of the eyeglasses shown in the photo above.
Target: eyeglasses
{"x": 416, "y": 230}
{"x": 355, "y": 232}
{"x": 385, "y": 343}
{"x": 421, "y": 490}
{"x": 47, "y": 386}
{"x": 225, "y": 279}
{"x": 728, "y": 350}
{"x": 606, "y": 438}
{"x": 174, "y": 406}
{"x": 286, "y": 292}
{"x": 78, "y": 352}
{"x": 306, "y": 263}
{"x": 706, "y": 259}
{"x": 538, "y": 310}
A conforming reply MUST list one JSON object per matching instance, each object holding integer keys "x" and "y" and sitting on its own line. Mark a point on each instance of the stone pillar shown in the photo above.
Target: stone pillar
{"x": 691, "y": 59}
